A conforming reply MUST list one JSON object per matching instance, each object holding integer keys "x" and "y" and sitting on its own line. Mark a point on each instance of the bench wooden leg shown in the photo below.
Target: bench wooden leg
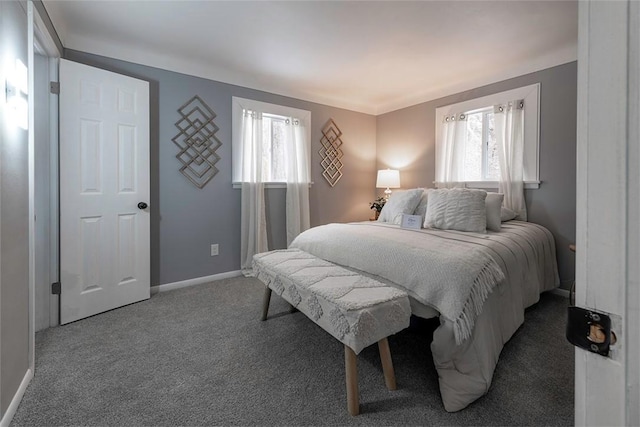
{"x": 265, "y": 303}
{"x": 387, "y": 364}
{"x": 351, "y": 374}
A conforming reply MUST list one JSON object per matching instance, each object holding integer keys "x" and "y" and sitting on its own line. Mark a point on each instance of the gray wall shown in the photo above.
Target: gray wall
{"x": 406, "y": 140}
{"x": 188, "y": 219}
{"x": 14, "y": 226}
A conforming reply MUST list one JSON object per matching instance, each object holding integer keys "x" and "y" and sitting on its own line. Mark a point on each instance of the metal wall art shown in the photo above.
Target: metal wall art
{"x": 331, "y": 153}
{"x": 197, "y": 142}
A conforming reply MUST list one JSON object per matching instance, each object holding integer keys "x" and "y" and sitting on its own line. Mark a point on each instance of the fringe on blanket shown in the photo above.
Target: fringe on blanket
{"x": 487, "y": 279}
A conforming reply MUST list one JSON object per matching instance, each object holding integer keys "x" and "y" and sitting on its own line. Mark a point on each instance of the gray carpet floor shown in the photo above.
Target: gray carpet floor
{"x": 201, "y": 356}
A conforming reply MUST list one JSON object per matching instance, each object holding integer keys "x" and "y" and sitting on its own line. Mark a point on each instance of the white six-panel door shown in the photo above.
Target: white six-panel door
{"x": 104, "y": 175}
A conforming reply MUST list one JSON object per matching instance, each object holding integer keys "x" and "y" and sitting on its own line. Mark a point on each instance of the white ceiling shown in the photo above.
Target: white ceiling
{"x": 372, "y": 57}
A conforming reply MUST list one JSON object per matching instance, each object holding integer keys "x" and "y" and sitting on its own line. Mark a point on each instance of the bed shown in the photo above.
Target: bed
{"x": 478, "y": 284}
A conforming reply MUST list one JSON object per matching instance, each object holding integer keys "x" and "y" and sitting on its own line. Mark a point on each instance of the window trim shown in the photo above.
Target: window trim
{"x": 531, "y": 96}
{"x": 237, "y": 107}
{"x": 493, "y": 185}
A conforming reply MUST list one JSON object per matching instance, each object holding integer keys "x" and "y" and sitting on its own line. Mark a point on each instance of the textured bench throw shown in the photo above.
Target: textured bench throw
{"x": 357, "y": 310}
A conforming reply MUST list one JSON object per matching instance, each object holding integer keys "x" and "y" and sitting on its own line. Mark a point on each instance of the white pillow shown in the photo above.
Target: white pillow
{"x": 493, "y": 203}
{"x": 460, "y": 209}
{"x": 421, "y": 209}
{"x": 400, "y": 202}
{"x": 507, "y": 214}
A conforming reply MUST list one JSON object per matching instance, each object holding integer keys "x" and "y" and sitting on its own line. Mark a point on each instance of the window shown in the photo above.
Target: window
{"x": 480, "y": 164}
{"x": 273, "y": 161}
{"x": 275, "y": 121}
{"x": 481, "y": 153}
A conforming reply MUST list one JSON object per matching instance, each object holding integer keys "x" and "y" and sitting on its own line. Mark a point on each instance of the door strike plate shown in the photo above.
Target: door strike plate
{"x": 590, "y": 330}
{"x": 56, "y": 288}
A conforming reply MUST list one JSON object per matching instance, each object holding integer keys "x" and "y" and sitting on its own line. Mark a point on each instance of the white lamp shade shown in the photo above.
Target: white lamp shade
{"x": 388, "y": 178}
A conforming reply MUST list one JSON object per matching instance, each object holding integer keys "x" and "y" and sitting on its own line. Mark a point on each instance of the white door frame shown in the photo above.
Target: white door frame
{"x": 42, "y": 42}
{"x": 608, "y": 207}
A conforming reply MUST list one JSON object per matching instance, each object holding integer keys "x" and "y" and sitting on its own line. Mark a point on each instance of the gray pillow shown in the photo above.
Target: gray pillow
{"x": 460, "y": 209}
{"x": 400, "y": 202}
{"x": 493, "y": 203}
{"x": 421, "y": 209}
{"x": 507, "y": 214}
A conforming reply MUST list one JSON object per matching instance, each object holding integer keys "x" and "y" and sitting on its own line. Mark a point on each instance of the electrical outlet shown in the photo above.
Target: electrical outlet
{"x": 214, "y": 250}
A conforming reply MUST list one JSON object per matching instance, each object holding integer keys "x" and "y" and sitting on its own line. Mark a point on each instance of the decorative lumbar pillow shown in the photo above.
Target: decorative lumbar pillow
{"x": 493, "y": 203}
{"x": 421, "y": 209}
{"x": 400, "y": 202}
{"x": 460, "y": 209}
{"x": 507, "y": 214}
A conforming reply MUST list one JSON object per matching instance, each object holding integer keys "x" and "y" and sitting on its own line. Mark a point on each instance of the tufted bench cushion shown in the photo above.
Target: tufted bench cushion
{"x": 356, "y": 310}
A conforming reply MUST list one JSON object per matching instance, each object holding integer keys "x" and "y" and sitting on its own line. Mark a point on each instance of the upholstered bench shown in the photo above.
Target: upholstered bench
{"x": 356, "y": 310}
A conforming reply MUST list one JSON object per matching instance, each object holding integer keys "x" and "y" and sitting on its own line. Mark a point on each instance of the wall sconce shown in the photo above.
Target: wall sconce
{"x": 388, "y": 178}
{"x": 17, "y": 92}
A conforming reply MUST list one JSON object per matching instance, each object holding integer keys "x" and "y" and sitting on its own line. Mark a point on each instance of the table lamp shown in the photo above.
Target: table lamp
{"x": 388, "y": 178}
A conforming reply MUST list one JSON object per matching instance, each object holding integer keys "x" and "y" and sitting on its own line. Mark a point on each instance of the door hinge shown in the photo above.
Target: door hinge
{"x": 54, "y": 87}
{"x": 56, "y": 288}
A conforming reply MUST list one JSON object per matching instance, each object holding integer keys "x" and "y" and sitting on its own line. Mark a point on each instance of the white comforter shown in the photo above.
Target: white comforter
{"x": 524, "y": 253}
{"x": 442, "y": 273}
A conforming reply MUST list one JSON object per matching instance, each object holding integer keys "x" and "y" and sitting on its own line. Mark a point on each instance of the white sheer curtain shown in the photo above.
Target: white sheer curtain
{"x": 453, "y": 140}
{"x": 253, "y": 229}
{"x": 253, "y": 224}
{"x": 509, "y": 131}
{"x": 298, "y": 178}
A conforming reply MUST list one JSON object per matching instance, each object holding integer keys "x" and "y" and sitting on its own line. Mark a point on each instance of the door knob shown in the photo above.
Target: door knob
{"x": 142, "y": 205}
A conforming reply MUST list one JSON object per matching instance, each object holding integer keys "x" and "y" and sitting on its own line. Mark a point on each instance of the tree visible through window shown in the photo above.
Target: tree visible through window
{"x": 273, "y": 159}
{"x": 481, "y": 153}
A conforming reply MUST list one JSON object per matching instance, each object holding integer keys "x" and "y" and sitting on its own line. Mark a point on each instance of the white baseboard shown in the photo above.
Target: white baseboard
{"x": 195, "y": 281}
{"x": 562, "y": 292}
{"x": 17, "y": 398}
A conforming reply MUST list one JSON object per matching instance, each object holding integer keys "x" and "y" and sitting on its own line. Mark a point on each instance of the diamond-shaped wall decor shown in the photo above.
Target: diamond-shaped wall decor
{"x": 331, "y": 153}
{"x": 197, "y": 142}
